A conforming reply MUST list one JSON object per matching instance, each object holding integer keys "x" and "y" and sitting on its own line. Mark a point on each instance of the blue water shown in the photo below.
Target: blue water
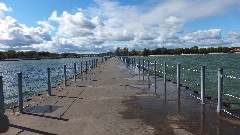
{"x": 190, "y": 66}
{"x": 34, "y": 75}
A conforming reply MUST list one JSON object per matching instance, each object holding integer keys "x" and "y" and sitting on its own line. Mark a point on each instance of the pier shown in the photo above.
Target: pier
{"x": 111, "y": 99}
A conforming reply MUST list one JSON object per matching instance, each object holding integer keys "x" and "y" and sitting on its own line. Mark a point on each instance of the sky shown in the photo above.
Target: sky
{"x": 95, "y": 26}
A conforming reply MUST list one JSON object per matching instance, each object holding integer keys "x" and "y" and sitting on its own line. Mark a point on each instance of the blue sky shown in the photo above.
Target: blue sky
{"x": 89, "y": 26}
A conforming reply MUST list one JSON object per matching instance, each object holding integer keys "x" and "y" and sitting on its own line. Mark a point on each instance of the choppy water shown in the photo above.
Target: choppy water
{"x": 34, "y": 73}
{"x": 190, "y": 66}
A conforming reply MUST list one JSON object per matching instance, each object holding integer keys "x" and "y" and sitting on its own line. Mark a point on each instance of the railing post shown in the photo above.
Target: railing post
{"x": 132, "y": 62}
{"x": 203, "y": 84}
{"x": 81, "y": 69}
{"x": 1, "y": 96}
{"x": 220, "y": 89}
{"x": 164, "y": 80}
{"x": 155, "y": 74}
{"x": 178, "y": 76}
{"x": 143, "y": 68}
{"x": 92, "y": 64}
{"x": 149, "y": 66}
{"x": 75, "y": 71}
{"x": 86, "y": 66}
{"x": 97, "y": 63}
{"x": 49, "y": 82}
{"x": 20, "y": 93}
{"x": 139, "y": 68}
{"x": 65, "y": 75}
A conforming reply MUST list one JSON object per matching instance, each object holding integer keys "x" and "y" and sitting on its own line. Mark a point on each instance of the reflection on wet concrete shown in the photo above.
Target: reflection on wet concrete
{"x": 175, "y": 112}
{"x": 202, "y": 118}
{"x": 42, "y": 109}
{"x": 178, "y": 101}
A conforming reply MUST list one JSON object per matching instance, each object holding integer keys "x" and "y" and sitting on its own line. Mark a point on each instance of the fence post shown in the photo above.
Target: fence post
{"x": 49, "y": 82}
{"x": 143, "y": 68}
{"x": 1, "y": 96}
{"x": 92, "y": 64}
{"x": 20, "y": 92}
{"x": 203, "y": 84}
{"x": 75, "y": 71}
{"x": 164, "y": 80}
{"x": 81, "y": 69}
{"x": 132, "y": 62}
{"x": 178, "y": 76}
{"x": 86, "y": 66}
{"x": 65, "y": 75}
{"x": 95, "y": 62}
{"x": 149, "y": 66}
{"x": 139, "y": 68}
{"x": 155, "y": 74}
{"x": 220, "y": 89}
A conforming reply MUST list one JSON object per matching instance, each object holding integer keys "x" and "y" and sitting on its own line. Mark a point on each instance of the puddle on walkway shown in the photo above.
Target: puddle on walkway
{"x": 180, "y": 114}
{"x": 187, "y": 115}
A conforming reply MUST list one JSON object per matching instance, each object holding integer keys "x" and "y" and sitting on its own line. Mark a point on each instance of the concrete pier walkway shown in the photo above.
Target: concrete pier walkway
{"x": 108, "y": 101}
{"x": 90, "y": 105}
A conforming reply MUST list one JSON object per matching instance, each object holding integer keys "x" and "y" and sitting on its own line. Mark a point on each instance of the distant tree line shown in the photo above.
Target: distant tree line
{"x": 177, "y": 51}
{"x": 11, "y": 54}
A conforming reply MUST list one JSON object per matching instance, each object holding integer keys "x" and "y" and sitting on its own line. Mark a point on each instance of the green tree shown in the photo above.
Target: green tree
{"x": 203, "y": 51}
{"x": 146, "y": 52}
{"x": 194, "y": 50}
{"x": 125, "y": 51}
{"x": 118, "y": 51}
{"x": 133, "y": 53}
{"x": 178, "y": 51}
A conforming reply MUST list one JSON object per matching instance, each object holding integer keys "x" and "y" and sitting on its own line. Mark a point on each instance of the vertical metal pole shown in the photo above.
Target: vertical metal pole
{"x": 20, "y": 93}
{"x": 203, "y": 84}
{"x": 149, "y": 66}
{"x": 95, "y": 62}
{"x": 89, "y": 64}
{"x": 65, "y": 75}
{"x": 1, "y": 96}
{"x": 155, "y": 74}
{"x": 86, "y": 66}
{"x": 139, "y": 68}
{"x": 164, "y": 80}
{"x": 132, "y": 62}
{"x": 49, "y": 82}
{"x": 143, "y": 68}
{"x": 75, "y": 71}
{"x": 81, "y": 69}
{"x": 220, "y": 89}
{"x": 135, "y": 62}
{"x": 178, "y": 76}
{"x": 92, "y": 64}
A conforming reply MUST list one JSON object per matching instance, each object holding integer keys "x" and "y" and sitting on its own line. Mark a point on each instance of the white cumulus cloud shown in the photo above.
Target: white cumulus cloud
{"x": 109, "y": 24}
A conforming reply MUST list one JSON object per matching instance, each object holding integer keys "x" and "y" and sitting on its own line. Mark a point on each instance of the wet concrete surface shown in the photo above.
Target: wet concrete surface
{"x": 179, "y": 113}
